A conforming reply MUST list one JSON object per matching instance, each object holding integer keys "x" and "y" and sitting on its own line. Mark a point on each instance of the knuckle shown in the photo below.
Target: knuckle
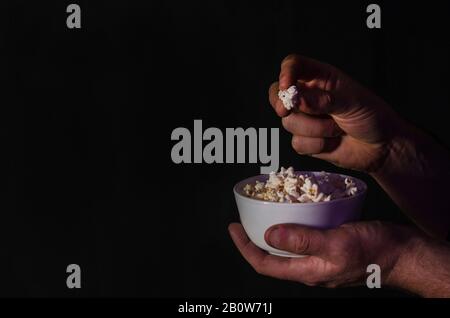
{"x": 283, "y": 77}
{"x": 328, "y": 99}
{"x": 331, "y": 79}
{"x": 290, "y": 58}
{"x": 296, "y": 145}
{"x": 286, "y": 122}
{"x": 301, "y": 244}
{"x": 323, "y": 100}
{"x": 280, "y": 110}
{"x": 320, "y": 145}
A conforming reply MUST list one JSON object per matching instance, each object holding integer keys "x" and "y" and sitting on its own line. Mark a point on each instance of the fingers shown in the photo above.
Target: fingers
{"x": 315, "y": 101}
{"x": 263, "y": 263}
{"x": 311, "y": 100}
{"x": 321, "y": 246}
{"x": 313, "y": 146}
{"x": 276, "y": 103}
{"x": 250, "y": 251}
{"x": 344, "y": 150}
{"x": 296, "y": 67}
{"x": 337, "y": 257}
{"x": 297, "y": 239}
{"x": 317, "y": 82}
{"x": 302, "y": 124}
{"x": 312, "y": 135}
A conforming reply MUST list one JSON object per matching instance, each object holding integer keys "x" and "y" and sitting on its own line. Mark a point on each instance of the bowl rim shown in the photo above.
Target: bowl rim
{"x": 242, "y": 196}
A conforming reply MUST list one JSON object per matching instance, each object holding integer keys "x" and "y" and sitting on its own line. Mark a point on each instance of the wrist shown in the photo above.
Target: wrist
{"x": 422, "y": 268}
{"x": 406, "y": 255}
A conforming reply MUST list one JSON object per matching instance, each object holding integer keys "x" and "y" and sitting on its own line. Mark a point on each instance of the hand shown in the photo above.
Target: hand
{"x": 342, "y": 122}
{"x": 337, "y": 119}
{"x": 337, "y": 257}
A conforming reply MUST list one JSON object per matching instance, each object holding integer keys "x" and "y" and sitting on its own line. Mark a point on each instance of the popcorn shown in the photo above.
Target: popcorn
{"x": 351, "y": 188}
{"x": 287, "y": 187}
{"x": 289, "y": 97}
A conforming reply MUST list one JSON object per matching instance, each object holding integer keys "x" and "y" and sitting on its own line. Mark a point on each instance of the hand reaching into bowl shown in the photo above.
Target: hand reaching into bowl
{"x": 339, "y": 257}
{"x": 340, "y": 121}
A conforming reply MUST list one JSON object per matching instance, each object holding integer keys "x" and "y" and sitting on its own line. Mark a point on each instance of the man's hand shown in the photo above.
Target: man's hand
{"x": 337, "y": 119}
{"x": 337, "y": 257}
{"x": 340, "y": 121}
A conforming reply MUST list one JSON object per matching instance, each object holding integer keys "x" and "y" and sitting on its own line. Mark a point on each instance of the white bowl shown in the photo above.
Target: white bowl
{"x": 257, "y": 215}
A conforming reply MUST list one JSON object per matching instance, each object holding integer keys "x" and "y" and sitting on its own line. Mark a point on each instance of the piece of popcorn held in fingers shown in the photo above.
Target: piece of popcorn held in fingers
{"x": 289, "y": 97}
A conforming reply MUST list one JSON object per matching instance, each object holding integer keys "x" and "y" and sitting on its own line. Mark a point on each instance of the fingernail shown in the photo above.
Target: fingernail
{"x": 274, "y": 236}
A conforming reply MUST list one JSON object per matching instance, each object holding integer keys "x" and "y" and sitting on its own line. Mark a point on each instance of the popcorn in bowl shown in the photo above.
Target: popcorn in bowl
{"x": 288, "y": 187}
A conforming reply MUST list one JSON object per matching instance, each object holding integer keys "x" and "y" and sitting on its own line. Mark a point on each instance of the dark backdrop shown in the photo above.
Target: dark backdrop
{"x": 86, "y": 117}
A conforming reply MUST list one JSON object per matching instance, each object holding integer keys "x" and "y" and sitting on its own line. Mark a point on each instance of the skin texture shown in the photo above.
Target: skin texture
{"x": 340, "y": 121}
{"x": 339, "y": 257}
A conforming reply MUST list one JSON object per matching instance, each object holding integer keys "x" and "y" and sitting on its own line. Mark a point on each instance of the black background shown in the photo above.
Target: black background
{"x": 86, "y": 117}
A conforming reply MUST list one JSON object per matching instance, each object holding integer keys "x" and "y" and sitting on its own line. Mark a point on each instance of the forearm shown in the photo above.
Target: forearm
{"x": 423, "y": 268}
{"x": 415, "y": 175}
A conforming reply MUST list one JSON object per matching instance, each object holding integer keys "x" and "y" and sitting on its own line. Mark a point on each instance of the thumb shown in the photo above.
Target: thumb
{"x": 296, "y": 239}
